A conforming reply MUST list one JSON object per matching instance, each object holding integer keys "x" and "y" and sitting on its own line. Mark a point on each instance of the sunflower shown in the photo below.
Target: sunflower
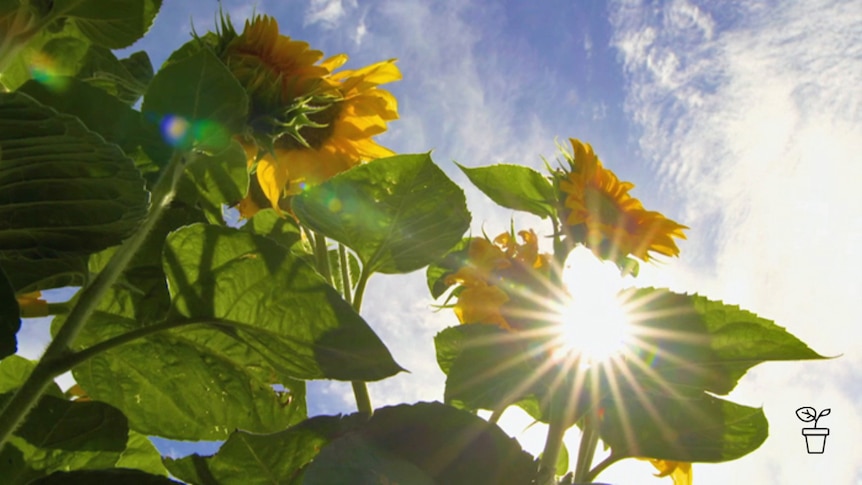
{"x": 599, "y": 212}
{"x": 307, "y": 122}
{"x": 495, "y": 278}
{"x": 679, "y": 471}
{"x": 32, "y": 305}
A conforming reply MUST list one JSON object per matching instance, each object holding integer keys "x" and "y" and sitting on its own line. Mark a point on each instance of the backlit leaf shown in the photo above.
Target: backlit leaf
{"x": 398, "y": 214}
{"x": 515, "y": 187}
{"x": 197, "y": 102}
{"x": 422, "y": 443}
{"x": 66, "y": 191}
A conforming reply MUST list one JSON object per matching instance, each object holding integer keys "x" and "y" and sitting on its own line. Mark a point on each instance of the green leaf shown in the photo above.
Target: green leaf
{"x": 100, "y": 112}
{"x": 64, "y": 435}
{"x": 138, "y": 453}
{"x": 59, "y": 424}
{"x": 15, "y": 469}
{"x": 562, "y": 461}
{"x": 115, "y": 475}
{"x": 696, "y": 429}
{"x": 515, "y": 187}
{"x": 697, "y": 344}
{"x": 259, "y": 458}
{"x": 218, "y": 179}
{"x": 10, "y": 318}
{"x": 66, "y": 192}
{"x": 201, "y": 101}
{"x": 283, "y": 230}
{"x": 26, "y": 275}
{"x": 398, "y": 213}
{"x": 422, "y": 443}
{"x": 115, "y": 25}
{"x": 273, "y": 302}
{"x": 355, "y": 460}
{"x": 15, "y": 369}
{"x": 126, "y": 79}
{"x": 486, "y": 367}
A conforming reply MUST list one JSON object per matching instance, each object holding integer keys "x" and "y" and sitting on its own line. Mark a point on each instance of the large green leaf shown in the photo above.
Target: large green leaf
{"x": 422, "y": 443}
{"x": 66, "y": 192}
{"x": 26, "y": 275}
{"x": 515, "y": 187}
{"x": 260, "y": 458}
{"x": 699, "y": 428}
{"x": 115, "y": 24}
{"x": 61, "y": 47}
{"x": 127, "y": 79}
{"x": 398, "y": 213}
{"x": 169, "y": 385}
{"x": 10, "y": 318}
{"x": 275, "y": 303}
{"x": 486, "y": 367}
{"x": 139, "y": 453}
{"x": 198, "y": 103}
{"x": 58, "y": 424}
{"x": 100, "y": 112}
{"x": 697, "y": 344}
{"x": 283, "y": 230}
{"x": 15, "y": 369}
{"x": 217, "y": 179}
{"x": 64, "y": 435}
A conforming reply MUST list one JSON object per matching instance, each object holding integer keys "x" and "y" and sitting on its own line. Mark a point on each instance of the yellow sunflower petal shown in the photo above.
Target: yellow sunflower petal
{"x": 32, "y": 305}
{"x": 595, "y": 197}
{"x": 482, "y": 304}
{"x": 272, "y": 175}
{"x": 679, "y": 471}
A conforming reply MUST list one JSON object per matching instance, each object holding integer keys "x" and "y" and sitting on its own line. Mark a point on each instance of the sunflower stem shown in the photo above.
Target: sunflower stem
{"x": 346, "y": 283}
{"x": 322, "y": 253}
{"x": 586, "y": 449}
{"x": 360, "y": 389}
{"x": 610, "y": 460}
{"x": 54, "y": 360}
{"x": 554, "y": 440}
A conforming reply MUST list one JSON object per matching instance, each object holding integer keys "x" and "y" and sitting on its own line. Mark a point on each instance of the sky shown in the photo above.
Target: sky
{"x": 739, "y": 119}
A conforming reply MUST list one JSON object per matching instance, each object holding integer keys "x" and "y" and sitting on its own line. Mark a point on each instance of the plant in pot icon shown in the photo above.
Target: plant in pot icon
{"x": 815, "y": 438}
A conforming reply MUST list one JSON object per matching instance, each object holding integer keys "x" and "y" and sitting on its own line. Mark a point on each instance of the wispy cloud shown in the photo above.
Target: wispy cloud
{"x": 328, "y": 13}
{"x": 752, "y": 114}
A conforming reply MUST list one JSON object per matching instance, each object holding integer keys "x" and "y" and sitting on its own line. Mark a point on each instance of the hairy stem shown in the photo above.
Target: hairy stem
{"x": 360, "y": 389}
{"x": 52, "y": 362}
{"x": 346, "y": 283}
{"x": 586, "y": 449}
{"x": 553, "y": 442}
{"x": 322, "y": 254}
{"x": 610, "y": 460}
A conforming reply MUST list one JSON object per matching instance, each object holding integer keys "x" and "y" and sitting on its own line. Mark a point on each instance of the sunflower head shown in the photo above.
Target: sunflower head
{"x": 307, "y": 122}
{"x": 500, "y": 280}
{"x": 598, "y": 211}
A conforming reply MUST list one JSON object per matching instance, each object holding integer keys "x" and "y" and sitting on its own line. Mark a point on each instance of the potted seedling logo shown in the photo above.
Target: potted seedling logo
{"x": 815, "y": 438}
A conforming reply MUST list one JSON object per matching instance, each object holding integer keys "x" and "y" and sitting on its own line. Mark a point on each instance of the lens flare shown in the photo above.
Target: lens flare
{"x": 43, "y": 68}
{"x": 176, "y": 130}
{"x": 595, "y": 322}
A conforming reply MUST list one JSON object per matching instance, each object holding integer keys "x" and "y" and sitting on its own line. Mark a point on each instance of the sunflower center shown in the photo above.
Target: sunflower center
{"x": 602, "y": 207}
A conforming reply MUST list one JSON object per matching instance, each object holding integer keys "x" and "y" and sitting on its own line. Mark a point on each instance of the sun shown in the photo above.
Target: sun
{"x": 595, "y": 322}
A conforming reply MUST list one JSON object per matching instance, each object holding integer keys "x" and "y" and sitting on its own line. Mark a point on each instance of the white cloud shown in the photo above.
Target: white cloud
{"x": 757, "y": 126}
{"x": 328, "y": 13}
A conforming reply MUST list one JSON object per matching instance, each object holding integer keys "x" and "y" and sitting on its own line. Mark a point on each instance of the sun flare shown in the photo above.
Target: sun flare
{"x": 595, "y": 321}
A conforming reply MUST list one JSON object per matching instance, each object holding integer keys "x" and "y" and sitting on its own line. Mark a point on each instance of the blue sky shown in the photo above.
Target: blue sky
{"x": 742, "y": 120}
